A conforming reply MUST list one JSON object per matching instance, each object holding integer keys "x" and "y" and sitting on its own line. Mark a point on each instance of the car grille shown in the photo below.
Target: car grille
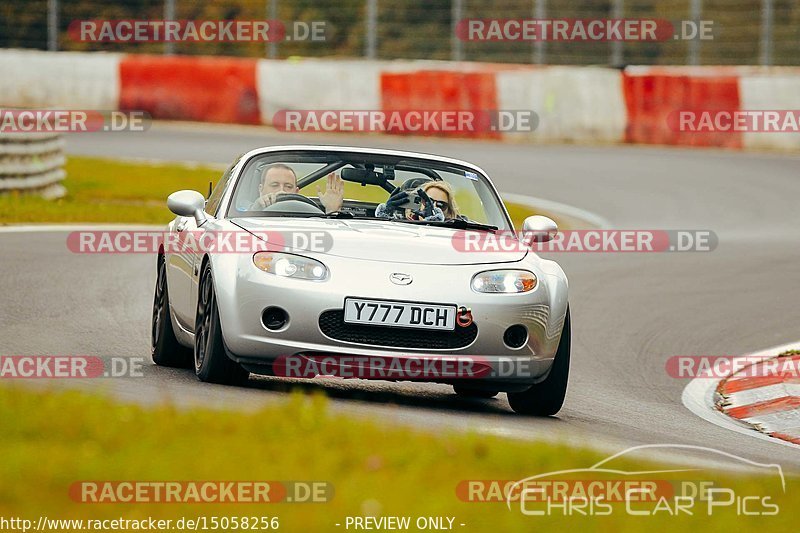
{"x": 333, "y": 325}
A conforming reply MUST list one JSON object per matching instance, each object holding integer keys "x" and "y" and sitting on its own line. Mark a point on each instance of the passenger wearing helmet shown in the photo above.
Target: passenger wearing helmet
{"x": 442, "y": 196}
{"x": 394, "y": 206}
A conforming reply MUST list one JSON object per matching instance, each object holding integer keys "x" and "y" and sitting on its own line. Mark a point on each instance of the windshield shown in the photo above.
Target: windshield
{"x": 307, "y": 183}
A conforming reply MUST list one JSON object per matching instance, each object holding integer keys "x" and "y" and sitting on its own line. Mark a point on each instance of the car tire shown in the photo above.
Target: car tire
{"x": 211, "y": 362}
{"x": 465, "y": 392}
{"x": 547, "y": 397}
{"x": 164, "y": 346}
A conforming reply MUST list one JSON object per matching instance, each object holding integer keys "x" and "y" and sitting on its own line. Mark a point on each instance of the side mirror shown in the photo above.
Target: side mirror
{"x": 539, "y": 228}
{"x": 188, "y": 204}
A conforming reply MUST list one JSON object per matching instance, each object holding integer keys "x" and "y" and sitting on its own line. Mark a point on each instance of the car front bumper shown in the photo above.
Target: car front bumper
{"x": 245, "y": 294}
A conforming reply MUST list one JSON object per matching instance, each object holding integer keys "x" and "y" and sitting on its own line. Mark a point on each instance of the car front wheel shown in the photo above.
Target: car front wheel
{"x": 211, "y": 363}
{"x": 547, "y": 397}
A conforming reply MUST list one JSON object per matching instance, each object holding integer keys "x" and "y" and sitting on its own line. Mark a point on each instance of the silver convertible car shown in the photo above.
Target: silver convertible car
{"x": 308, "y": 261}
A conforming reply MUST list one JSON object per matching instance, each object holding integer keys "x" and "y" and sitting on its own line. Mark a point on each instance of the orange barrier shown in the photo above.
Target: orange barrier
{"x": 434, "y": 90}
{"x": 190, "y": 88}
{"x": 651, "y": 98}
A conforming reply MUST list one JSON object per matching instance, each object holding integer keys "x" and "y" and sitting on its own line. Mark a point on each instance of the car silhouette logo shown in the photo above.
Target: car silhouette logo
{"x": 401, "y": 279}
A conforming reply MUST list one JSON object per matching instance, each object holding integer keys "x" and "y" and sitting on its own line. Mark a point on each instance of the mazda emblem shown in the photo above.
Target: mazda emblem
{"x": 400, "y": 279}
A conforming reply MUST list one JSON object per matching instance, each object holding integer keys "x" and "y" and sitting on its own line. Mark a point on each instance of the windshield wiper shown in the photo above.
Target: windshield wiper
{"x": 455, "y": 223}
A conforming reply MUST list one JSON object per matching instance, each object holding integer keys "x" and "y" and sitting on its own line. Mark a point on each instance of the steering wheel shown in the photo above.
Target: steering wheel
{"x": 283, "y": 197}
{"x": 303, "y": 204}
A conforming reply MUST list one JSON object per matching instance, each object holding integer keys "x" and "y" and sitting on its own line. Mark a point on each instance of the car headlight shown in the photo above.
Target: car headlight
{"x": 290, "y": 266}
{"x": 504, "y": 281}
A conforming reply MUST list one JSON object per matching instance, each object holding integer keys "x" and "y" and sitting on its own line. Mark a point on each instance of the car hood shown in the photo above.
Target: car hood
{"x": 375, "y": 240}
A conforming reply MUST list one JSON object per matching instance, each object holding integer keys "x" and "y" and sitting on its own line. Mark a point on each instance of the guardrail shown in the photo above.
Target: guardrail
{"x": 573, "y": 104}
{"x": 32, "y": 163}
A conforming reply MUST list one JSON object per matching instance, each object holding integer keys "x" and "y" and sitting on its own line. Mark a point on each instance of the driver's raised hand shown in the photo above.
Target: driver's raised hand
{"x": 333, "y": 197}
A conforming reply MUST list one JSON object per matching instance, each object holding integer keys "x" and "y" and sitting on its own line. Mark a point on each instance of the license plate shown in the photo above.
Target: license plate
{"x": 399, "y": 314}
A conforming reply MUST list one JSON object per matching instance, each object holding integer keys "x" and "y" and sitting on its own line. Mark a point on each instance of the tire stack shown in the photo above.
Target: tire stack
{"x": 32, "y": 163}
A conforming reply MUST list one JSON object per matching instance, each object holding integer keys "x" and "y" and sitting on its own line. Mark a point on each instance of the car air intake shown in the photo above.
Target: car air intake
{"x": 516, "y": 336}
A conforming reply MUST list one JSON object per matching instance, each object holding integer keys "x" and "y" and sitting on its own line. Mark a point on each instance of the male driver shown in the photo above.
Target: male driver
{"x": 279, "y": 179}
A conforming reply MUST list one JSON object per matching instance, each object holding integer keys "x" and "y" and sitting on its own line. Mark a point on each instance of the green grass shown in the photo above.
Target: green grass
{"x": 110, "y": 191}
{"x": 51, "y": 440}
{"x": 102, "y": 190}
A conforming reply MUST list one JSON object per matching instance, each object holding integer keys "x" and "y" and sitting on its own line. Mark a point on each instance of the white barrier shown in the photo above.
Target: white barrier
{"x": 770, "y": 92}
{"x": 574, "y": 104}
{"x": 32, "y": 163}
{"x": 316, "y": 84}
{"x": 64, "y": 80}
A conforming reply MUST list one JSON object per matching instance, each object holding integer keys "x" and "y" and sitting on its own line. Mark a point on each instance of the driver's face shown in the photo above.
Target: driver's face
{"x": 278, "y": 180}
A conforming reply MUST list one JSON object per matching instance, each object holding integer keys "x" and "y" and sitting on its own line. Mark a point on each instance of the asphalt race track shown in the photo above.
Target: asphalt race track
{"x": 630, "y": 312}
